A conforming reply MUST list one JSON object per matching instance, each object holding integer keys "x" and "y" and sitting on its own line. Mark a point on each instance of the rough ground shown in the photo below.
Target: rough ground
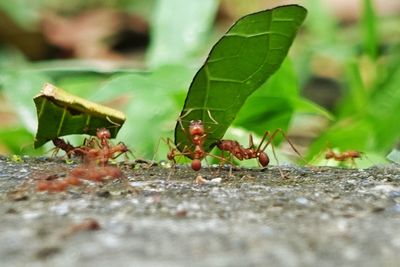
{"x": 156, "y": 217}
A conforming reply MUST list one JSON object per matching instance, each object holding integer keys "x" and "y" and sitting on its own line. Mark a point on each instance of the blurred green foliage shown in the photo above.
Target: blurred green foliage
{"x": 367, "y": 115}
{"x": 364, "y": 56}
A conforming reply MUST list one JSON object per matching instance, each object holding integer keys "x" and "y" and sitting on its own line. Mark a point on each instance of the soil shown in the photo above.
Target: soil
{"x": 156, "y": 216}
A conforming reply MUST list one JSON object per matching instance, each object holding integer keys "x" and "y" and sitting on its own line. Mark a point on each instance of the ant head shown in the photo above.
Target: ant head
{"x": 196, "y": 127}
{"x": 122, "y": 147}
{"x": 171, "y": 155}
{"x": 263, "y": 159}
{"x": 103, "y": 133}
{"x": 330, "y": 154}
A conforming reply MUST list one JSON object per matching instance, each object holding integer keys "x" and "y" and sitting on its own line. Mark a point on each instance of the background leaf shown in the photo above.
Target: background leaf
{"x": 176, "y": 38}
{"x": 20, "y": 87}
{"x": 369, "y": 28}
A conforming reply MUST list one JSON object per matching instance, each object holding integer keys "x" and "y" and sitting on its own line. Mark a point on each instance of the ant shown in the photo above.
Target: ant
{"x": 253, "y": 152}
{"x": 95, "y": 148}
{"x": 198, "y": 136}
{"x": 341, "y": 157}
{"x": 65, "y": 146}
{"x": 96, "y": 153}
{"x": 100, "y": 150}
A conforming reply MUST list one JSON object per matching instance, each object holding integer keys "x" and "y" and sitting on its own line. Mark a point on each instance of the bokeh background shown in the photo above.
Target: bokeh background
{"x": 140, "y": 56}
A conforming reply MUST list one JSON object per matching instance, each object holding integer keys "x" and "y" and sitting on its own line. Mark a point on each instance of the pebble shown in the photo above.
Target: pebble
{"x": 302, "y": 201}
{"x": 61, "y": 209}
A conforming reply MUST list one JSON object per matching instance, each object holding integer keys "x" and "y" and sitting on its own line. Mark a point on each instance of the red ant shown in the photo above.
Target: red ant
{"x": 102, "y": 154}
{"x": 198, "y": 136}
{"x": 65, "y": 146}
{"x": 95, "y": 151}
{"x": 252, "y": 152}
{"x": 341, "y": 157}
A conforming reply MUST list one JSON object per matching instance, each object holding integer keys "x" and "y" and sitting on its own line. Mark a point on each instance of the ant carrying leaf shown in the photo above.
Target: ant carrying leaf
{"x": 96, "y": 154}
{"x": 239, "y": 63}
{"x": 195, "y": 152}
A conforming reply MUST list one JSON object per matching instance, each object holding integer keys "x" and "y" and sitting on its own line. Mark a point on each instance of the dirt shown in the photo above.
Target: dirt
{"x": 156, "y": 216}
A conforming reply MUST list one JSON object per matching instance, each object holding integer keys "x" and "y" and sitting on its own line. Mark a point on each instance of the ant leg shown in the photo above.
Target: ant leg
{"x": 211, "y": 117}
{"x": 174, "y": 152}
{"x": 271, "y": 138}
{"x": 157, "y": 148}
{"x": 277, "y": 161}
{"x": 251, "y": 142}
{"x": 122, "y": 150}
{"x": 187, "y": 112}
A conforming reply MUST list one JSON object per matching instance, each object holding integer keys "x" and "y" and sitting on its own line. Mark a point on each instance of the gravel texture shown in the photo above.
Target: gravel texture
{"x": 154, "y": 216}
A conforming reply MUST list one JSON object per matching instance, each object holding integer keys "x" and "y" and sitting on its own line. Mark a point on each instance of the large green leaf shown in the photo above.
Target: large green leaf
{"x": 60, "y": 113}
{"x": 249, "y": 53}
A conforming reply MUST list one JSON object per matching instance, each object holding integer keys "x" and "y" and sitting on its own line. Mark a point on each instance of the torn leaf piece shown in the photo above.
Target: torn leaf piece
{"x": 60, "y": 113}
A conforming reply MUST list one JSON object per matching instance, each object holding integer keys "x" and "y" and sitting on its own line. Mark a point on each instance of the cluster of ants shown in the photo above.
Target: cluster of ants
{"x": 198, "y": 135}
{"x": 95, "y": 153}
{"x": 233, "y": 148}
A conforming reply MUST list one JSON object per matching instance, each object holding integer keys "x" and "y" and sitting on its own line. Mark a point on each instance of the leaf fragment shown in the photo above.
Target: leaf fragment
{"x": 60, "y": 113}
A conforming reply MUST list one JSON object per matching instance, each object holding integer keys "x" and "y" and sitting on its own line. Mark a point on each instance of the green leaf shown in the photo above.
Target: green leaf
{"x": 274, "y": 103}
{"x": 270, "y": 107}
{"x": 60, "y": 113}
{"x": 176, "y": 38}
{"x": 25, "y": 12}
{"x": 19, "y": 88}
{"x": 249, "y": 53}
{"x": 304, "y": 105}
{"x": 321, "y": 23}
{"x": 384, "y": 110}
{"x": 369, "y": 28}
{"x": 350, "y": 134}
{"x": 17, "y": 140}
{"x": 357, "y": 96}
